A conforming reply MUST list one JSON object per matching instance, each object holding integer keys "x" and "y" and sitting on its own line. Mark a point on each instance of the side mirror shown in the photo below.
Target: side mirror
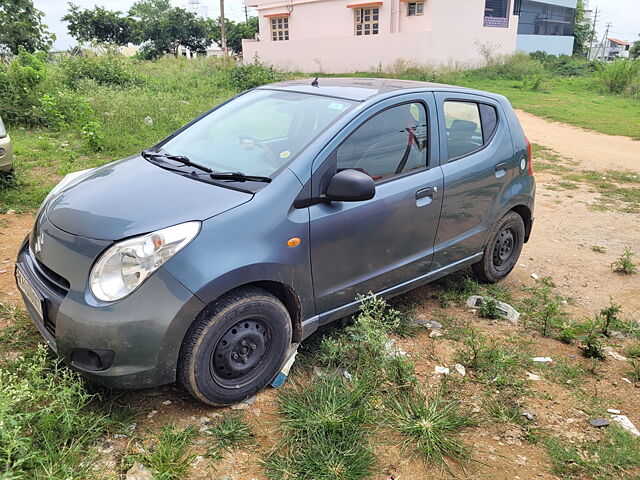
{"x": 351, "y": 186}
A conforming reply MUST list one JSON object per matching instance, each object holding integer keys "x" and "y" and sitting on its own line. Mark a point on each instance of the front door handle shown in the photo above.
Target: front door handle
{"x": 501, "y": 166}
{"x": 425, "y": 192}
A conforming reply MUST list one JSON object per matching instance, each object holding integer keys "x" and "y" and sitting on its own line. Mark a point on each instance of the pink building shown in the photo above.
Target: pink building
{"x": 338, "y": 36}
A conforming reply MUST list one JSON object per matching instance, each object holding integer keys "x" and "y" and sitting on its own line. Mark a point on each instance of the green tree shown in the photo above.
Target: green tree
{"x": 634, "y": 51}
{"x": 21, "y": 26}
{"x": 163, "y": 29}
{"x": 235, "y": 32}
{"x": 581, "y": 31}
{"x": 100, "y": 25}
{"x": 154, "y": 24}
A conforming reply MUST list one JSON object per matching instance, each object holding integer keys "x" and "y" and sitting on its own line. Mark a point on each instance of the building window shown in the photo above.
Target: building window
{"x": 415, "y": 8}
{"x": 517, "y": 6}
{"x": 280, "y": 28}
{"x": 496, "y": 13}
{"x": 543, "y": 19}
{"x": 367, "y": 21}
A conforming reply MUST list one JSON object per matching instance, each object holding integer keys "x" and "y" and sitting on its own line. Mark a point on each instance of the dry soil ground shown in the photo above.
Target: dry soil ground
{"x": 566, "y": 228}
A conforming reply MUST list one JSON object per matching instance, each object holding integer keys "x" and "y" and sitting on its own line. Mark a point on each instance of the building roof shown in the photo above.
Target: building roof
{"x": 619, "y": 42}
{"x": 358, "y": 89}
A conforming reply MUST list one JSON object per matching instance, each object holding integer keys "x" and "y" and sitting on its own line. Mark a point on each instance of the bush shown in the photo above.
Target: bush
{"x": 245, "y": 77}
{"x": 20, "y": 84}
{"x": 563, "y": 65}
{"x": 620, "y": 76}
{"x": 519, "y": 66}
{"x": 105, "y": 70}
{"x": 32, "y": 96}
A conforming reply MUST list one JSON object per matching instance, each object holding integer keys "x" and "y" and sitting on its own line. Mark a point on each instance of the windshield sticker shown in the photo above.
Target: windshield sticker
{"x": 336, "y": 106}
{"x": 285, "y": 154}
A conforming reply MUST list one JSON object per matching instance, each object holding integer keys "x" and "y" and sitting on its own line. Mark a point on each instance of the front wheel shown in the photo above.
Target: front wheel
{"x": 235, "y": 347}
{"x": 502, "y": 250}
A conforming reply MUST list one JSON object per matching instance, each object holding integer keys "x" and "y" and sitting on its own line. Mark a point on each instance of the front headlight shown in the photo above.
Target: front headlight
{"x": 123, "y": 267}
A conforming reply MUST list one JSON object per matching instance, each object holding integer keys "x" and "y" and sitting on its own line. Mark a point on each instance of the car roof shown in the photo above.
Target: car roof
{"x": 358, "y": 89}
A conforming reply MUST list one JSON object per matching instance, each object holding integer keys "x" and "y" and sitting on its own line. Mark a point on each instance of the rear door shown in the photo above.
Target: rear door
{"x": 478, "y": 164}
{"x": 375, "y": 245}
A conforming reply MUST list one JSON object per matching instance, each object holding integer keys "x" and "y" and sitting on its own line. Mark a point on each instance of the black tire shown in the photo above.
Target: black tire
{"x": 502, "y": 250}
{"x": 235, "y": 347}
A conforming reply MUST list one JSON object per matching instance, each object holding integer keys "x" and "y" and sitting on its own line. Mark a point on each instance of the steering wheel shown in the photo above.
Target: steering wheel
{"x": 249, "y": 142}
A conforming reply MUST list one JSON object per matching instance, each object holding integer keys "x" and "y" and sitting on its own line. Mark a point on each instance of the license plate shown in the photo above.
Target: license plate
{"x": 31, "y": 296}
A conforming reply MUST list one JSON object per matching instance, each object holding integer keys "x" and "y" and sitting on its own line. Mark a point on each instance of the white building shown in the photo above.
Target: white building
{"x": 610, "y": 49}
{"x": 546, "y": 25}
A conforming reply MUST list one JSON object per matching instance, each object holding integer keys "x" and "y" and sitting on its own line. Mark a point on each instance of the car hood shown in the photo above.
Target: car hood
{"x": 133, "y": 196}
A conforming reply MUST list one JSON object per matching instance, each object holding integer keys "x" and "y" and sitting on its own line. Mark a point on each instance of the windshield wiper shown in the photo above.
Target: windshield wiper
{"x": 238, "y": 177}
{"x": 150, "y": 154}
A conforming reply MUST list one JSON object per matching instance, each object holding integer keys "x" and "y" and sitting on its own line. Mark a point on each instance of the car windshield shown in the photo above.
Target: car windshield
{"x": 258, "y": 132}
{"x": 3, "y": 132}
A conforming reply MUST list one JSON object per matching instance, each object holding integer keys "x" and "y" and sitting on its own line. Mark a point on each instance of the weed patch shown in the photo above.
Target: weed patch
{"x": 168, "y": 457}
{"x": 231, "y": 431}
{"x": 49, "y": 420}
{"x": 610, "y": 457}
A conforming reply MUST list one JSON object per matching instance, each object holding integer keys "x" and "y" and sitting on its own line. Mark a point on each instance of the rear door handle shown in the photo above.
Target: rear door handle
{"x": 425, "y": 192}
{"x": 501, "y": 166}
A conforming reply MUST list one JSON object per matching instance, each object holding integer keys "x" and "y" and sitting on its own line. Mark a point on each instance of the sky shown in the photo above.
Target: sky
{"x": 624, "y": 15}
{"x": 54, "y": 10}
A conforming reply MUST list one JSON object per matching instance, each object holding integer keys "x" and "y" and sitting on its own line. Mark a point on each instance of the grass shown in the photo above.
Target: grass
{"x": 168, "y": 457}
{"x": 231, "y": 431}
{"x": 50, "y": 421}
{"x": 430, "y": 426}
{"x": 615, "y": 455}
{"x": 329, "y": 421}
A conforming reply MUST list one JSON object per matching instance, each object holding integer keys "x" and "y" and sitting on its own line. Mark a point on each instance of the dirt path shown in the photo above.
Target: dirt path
{"x": 561, "y": 247}
{"x": 593, "y": 151}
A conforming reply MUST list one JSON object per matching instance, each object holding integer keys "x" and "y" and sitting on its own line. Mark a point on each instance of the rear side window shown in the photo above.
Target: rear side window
{"x": 390, "y": 143}
{"x": 464, "y": 128}
{"x": 469, "y": 126}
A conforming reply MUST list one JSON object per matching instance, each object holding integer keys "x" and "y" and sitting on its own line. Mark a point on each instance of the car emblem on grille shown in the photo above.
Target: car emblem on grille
{"x": 39, "y": 242}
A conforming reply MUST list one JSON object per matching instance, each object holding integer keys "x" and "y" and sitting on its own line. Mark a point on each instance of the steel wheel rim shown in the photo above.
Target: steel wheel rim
{"x": 237, "y": 358}
{"x": 504, "y": 248}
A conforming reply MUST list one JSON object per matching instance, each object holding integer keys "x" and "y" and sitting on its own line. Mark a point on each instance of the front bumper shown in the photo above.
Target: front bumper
{"x": 144, "y": 330}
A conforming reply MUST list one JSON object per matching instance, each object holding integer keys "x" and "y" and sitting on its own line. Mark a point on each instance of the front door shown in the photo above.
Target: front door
{"x": 371, "y": 246}
{"x": 478, "y": 164}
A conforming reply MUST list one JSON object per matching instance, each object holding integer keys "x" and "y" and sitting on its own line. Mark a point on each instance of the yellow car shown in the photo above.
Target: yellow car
{"x": 6, "y": 153}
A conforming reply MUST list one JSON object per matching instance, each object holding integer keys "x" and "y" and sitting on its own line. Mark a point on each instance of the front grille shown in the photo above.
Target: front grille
{"x": 55, "y": 282}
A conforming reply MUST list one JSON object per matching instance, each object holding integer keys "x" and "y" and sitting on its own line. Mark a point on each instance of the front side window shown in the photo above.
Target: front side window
{"x": 280, "y": 28}
{"x": 366, "y": 21}
{"x": 258, "y": 132}
{"x": 390, "y": 143}
{"x": 415, "y": 8}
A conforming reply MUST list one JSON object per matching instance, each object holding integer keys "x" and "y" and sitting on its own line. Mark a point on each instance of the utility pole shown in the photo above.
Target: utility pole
{"x": 606, "y": 36}
{"x": 246, "y": 13}
{"x": 593, "y": 32}
{"x": 223, "y": 31}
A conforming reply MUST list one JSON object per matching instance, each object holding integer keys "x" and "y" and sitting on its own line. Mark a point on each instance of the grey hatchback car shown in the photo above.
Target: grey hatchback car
{"x": 203, "y": 258}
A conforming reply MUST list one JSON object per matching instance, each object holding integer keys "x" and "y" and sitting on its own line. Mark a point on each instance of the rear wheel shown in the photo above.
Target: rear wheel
{"x": 502, "y": 251}
{"x": 235, "y": 347}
